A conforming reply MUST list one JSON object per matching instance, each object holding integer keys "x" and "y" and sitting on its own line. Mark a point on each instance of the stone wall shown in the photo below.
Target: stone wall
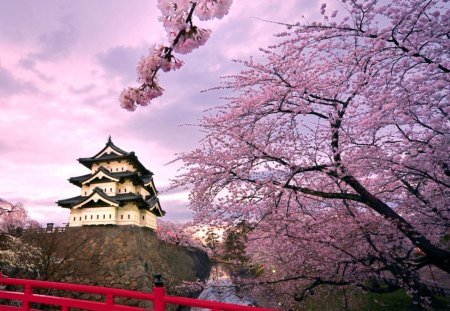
{"x": 122, "y": 257}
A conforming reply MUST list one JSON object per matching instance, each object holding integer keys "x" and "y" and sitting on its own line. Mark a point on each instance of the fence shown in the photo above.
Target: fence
{"x": 159, "y": 298}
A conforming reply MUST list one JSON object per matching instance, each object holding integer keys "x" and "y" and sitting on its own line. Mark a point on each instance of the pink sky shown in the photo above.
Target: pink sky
{"x": 63, "y": 65}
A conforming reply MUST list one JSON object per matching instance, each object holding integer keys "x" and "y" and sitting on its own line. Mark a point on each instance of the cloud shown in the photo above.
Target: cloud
{"x": 57, "y": 44}
{"x": 176, "y": 210}
{"x": 10, "y": 85}
{"x": 27, "y": 63}
{"x": 165, "y": 126}
{"x": 30, "y": 64}
{"x": 82, "y": 90}
{"x": 3, "y": 147}
{"x": 120, "y": 61}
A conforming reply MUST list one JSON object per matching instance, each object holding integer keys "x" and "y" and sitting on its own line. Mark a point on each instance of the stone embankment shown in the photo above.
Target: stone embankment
{"x": 124, "y": 257}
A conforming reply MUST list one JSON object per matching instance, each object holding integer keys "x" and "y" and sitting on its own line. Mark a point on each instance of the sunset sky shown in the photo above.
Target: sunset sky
{"x": 63, "y": 65}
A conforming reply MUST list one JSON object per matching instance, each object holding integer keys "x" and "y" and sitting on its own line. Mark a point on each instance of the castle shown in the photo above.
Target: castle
{"x": 118, "y": 191}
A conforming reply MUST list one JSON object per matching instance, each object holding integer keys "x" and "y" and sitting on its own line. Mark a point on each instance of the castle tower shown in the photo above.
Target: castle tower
{"x": 118, "y": 191}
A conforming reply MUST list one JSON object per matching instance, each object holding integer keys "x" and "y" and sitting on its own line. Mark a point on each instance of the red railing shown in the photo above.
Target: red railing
{"x": 109, "y": 295}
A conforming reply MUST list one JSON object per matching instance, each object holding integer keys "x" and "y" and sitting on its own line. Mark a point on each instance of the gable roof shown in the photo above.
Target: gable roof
{"x": 116, "y": 149}
{"x": 113, "y": 153}
{"x": 72, "y": 202}
{"x": 99, "y": 174}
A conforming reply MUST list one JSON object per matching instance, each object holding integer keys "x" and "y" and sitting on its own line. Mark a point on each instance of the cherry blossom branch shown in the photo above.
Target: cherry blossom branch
{"x": 184, "y": 37}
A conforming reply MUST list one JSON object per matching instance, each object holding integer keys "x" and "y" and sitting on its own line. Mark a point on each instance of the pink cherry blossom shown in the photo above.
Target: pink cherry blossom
{"x": 128, "y": 98}
{"x": 191, "y": 39}
{"x": 208, "y": 9}
{"x": 184, "y": 37}
{"x": 131, "y": 97}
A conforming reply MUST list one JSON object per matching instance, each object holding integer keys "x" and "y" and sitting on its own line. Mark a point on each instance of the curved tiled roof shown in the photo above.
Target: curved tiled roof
{"x": 79, "y": 179}
{"x": 120, "y": 155}
{"x": 131, "y": 157}
{"x": 68, "y": 203}
{"x": 134, "y": 176}
{"x": 120, "y": 199}
{"x": 109, "y": 143}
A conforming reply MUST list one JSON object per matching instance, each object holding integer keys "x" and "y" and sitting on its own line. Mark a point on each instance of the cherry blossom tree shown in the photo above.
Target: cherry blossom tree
{"x": 336, "y": 148}
{"x": 13, "y": 216}
{"x": 16, "y": 256}
{"x": 184, "y": 36}
{"x": 178, "y": 234}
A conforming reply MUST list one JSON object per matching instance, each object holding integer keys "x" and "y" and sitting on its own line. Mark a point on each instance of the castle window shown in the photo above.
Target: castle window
{"x": 85, "y": 217}
{"x": 110, "y": 189}
{"x": 74, "y": 219}
{"x": 121, "y": 216}
{"x": 128, "y": 216}
{"x": 98, "y": 216}
{"x": 91, "y": 216}
{"x": 80, "y": 218}
{"x": 109, "y": 216}
{"x": 103, "y": 216}
{"x": 85, "y": 193}
{"x": 117, "y": 169}
{"x": 143, "y": 217}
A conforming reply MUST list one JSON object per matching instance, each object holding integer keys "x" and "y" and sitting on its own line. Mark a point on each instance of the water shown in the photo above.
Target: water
{"x": 220, "y": 287}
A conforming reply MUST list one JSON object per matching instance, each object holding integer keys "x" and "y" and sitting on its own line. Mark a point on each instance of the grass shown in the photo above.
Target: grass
{"x": 395, "y": 301}
{"x": 354, "y": 299}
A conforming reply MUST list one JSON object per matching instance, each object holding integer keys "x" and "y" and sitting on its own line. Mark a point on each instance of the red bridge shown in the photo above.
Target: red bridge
{"x": 27, "y": 297}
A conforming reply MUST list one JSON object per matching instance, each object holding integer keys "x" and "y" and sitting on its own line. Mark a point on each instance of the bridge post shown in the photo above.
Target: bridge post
{"x": 28, "y": 291}
{"x": 159, "y": 292}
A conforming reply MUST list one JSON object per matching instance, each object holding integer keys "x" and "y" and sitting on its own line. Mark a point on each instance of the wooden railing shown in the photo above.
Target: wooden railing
{"x": 26, "y": 297}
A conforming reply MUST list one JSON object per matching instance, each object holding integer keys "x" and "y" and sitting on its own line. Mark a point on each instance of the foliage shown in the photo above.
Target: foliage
{"x": 184, "y": 36}
{"x": 336, "y": 146}
{"x": 212, "y": 242}
{"x": 17, "y": 258}
{"x": 234, "y": 244}
{"x": 56, "y": 250}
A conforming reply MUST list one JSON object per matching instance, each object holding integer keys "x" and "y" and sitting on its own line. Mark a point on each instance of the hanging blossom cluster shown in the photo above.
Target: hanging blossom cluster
{"x": 184, "y": 37}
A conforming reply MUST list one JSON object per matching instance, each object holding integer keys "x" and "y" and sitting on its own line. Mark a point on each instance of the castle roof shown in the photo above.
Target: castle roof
{"x": 150, "y": 203}
{"x": 113, "y": 153}
{"x": 102, "y": 172}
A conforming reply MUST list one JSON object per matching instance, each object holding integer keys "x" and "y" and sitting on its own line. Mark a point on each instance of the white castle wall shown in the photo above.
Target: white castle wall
{"x": 110, "y": 215}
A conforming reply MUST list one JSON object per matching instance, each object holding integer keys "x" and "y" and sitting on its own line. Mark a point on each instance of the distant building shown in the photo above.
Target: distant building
{"x": 118, "y": 191}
